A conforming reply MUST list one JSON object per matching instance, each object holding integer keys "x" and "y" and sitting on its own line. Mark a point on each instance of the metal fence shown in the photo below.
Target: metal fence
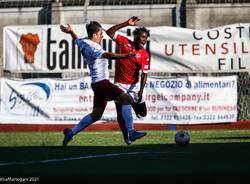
{"x": 220, "y": 1}
{"x": 44, "y": 3}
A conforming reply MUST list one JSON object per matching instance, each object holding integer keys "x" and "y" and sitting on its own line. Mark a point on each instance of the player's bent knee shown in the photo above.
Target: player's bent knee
{"x": 124, "y": 99}
{"x": 96, "y": 117}
{"x": 140, "y": 109}
{"x": 143, "y": 114}
{"x": 97, "y": 114}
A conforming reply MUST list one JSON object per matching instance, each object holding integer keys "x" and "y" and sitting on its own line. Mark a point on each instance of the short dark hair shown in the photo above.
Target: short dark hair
{"x": 92, "y": 28}
{"x": 139, "y": 30}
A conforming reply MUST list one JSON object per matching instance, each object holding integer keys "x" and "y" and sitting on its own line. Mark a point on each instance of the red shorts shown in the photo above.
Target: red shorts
{"x": 104, "y": 91}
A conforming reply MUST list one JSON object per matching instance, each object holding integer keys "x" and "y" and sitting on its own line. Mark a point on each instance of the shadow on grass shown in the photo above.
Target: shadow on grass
{"x": 230, "y": 138}
{"x": 156, "y": 163}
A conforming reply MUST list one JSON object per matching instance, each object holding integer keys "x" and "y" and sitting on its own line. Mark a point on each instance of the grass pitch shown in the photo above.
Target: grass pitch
{"x": 103, "y": 157}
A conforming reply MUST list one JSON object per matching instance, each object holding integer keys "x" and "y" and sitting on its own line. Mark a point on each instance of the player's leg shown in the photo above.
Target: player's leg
{"x": 110, "y": 92}
{"x": 126, "y": 102}
{"x": 84, "y": 122}
{"x": 94, "y": 116}
{"x": 99, "y": 105}
{"x": 122, "y": 123}
{"x": 140, "y": 109}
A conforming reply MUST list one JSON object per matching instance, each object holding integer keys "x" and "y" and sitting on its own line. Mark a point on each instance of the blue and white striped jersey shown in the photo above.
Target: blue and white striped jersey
{"x": 92, "y": 52}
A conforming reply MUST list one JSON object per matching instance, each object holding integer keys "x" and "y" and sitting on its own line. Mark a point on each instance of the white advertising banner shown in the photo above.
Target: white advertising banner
{"x": 41, "y": 49}
{"x": 220, "y": 49}
{"x": 191, "y": 100}
{"x": 47, "y": 49}
{"x": 45, "y": 100}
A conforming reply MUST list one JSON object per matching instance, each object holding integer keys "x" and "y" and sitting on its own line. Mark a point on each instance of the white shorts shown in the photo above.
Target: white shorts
{"x": 132, "y": 90}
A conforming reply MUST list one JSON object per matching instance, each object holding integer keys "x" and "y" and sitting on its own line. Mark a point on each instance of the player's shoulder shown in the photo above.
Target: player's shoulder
{"x": 91, "y": 43}
{"x": 120, "y": 37}
{"x": 144, "y": 52}
{"x": 87, "y": 41}
{"x": 81, "y": 41}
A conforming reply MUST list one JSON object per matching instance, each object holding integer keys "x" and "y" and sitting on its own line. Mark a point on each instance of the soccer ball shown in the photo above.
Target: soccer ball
{"x": 182, "y": 138}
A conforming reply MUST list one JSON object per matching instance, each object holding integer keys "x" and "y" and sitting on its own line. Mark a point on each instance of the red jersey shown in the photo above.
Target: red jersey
{"x": 127, "y": 70}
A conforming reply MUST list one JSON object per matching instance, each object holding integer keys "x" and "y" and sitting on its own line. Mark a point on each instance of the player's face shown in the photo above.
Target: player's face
{"x": 98, "y": 36}
{"x": 141, "y": 40}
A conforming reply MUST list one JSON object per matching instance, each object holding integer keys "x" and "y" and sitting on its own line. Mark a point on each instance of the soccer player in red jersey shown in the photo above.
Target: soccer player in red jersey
{"x": 127, "y": 70}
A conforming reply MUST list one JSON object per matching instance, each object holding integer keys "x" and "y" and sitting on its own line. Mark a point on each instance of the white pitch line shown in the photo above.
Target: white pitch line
{"x": 80, "y": 158}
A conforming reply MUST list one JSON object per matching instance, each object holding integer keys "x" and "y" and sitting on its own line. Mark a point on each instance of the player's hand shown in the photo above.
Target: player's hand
{"x": 130, "y": 55}
{"x": 65, "y": 29}
{"x": 133, "y": 21}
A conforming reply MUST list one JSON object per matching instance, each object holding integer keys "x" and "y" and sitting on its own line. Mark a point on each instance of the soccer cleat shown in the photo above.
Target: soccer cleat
{"x": 136, "y": 135}
{"x": 126, "y": 139}
{"x": 68, "y": 134}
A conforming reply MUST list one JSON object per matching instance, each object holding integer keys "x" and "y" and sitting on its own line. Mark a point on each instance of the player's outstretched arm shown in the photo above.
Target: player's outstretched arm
{"x": 144, "y": 77}
{"x": 130, "y": 22}
{"x": 112, "y": 55}
{"x": 68, "y": 29}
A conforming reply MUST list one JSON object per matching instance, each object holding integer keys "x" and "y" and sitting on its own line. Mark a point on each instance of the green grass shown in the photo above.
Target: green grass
{"x": 211, "y": 155}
